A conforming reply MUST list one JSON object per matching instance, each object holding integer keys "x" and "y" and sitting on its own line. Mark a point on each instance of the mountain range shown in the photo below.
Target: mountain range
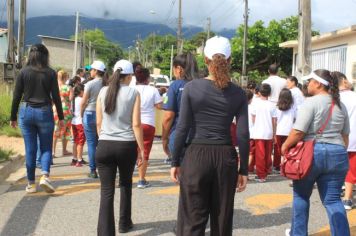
{"x": 119, "y": 31}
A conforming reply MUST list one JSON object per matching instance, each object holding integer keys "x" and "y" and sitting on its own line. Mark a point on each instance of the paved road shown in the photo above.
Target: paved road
{"x": 263, "y": 209}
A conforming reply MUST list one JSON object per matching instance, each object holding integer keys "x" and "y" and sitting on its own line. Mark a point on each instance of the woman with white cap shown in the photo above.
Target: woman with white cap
{"x": 119, "y": 128}
{"x": 324, "y": 118}
{"x": 208, "y": 173}
{"x": 87, "y": 111}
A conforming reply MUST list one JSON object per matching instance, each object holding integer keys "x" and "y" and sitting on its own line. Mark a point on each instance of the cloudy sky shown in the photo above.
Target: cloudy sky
{"x": 327, "y": 15}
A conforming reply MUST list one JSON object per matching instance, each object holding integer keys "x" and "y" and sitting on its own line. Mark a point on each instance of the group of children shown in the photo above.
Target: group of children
{"x": 270, "y": 124}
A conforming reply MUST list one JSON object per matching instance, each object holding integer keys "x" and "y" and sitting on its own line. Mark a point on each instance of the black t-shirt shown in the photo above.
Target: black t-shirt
{"x": 37, "y": 87}
{"x": 206, "y": 115}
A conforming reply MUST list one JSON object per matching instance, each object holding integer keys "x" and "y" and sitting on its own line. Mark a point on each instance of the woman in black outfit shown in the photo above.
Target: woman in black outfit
{"x": 37, "y": 86}
{"x": 209, "y": 174}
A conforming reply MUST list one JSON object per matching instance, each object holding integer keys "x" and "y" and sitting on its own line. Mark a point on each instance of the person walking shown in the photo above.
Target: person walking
{"x": 150, "y": 99}
{"x": 64, "y": 133}
{"x": 348, "y": 98}
{"x": 277, "y": 83}
{"x": 120, "y": 132}
{"x": 208, "y": 174}
{"x": 330, "y": 162}
{"x": 88, "y": 111}
{"x": 37, "y": 85}
{"x": 185, "y": 69}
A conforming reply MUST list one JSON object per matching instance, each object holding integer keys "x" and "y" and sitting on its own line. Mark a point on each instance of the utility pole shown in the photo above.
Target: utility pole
{"x": 208, "y": 28}
{"x": 171, "y": 68}
{"x": 179, "y": 31}
{"x": 304, "y": 38}
{"x": 76, "y": 44}
{"x": 84, "y": 48}
{"x": 90, "y": 55}
{"x": 10, "y": 31}
{"x": 244, "y": 78}
{"x": 21, "y": 33}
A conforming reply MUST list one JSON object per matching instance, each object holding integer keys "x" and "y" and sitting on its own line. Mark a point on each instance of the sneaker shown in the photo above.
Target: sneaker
{"x": 347, "y": 204}
{"x": 168, "y": 160}
{"x": 38, "y": 165}
{"x": 79, "y": 163}
{"x": 31, "y": 188}
{"x": 260, "y": 180}
{"x": 143, "y": 184}
{"x": 74, "y": 162}
{"x": 93, "y": 174}
{"x": 276, "y": 170}
{"x": 287, "y": 232}
{"x": 84, "y": 162}
{"x": 46, "y": 185}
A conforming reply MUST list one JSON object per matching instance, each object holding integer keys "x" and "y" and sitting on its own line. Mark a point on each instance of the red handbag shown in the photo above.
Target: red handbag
{"x": 298, "y": 160}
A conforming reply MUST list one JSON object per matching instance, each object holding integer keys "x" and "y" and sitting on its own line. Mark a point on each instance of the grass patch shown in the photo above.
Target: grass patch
{"x": 7, "y": 130}
{"x": 5, "y": 103}
{"x": 5, "y": 154}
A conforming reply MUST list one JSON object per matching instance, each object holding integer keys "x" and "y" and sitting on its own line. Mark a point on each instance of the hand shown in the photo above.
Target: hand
{"x": 61, "y": 123}
{"x": 175, "y": 172}
{"x": 13, "y": 124}
{"x": 139, "y": 160}
{"x": 165, "y": 147}
{"x": 284, "y": 149}
{"x": 241, "y": 183}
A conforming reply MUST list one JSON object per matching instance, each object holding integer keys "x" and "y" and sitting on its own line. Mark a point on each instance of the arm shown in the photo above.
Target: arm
{"x": 99, "y": 115}
{"x": 84, "y": 103}
{"x": 166, "y": 128}
{"x": 274, "y": 126}
{"x": 56, "y": 98}
{"x": 345, "y": 137}
{"x": 18, "y": 92}
{"x": 158, "y": 105}
{"x": 243, "y": 139}
{"x": 71, "y": 93}
{"x": 293, "y": 138}
{"x": 136, "y": 126}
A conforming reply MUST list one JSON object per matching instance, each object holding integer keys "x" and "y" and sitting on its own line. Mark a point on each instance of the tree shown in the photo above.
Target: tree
{"x": 263, "y": 46}
{"x": 106, "y": 50}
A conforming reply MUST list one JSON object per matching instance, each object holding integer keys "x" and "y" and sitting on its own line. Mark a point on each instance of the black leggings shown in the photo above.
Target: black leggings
{"x": 110, "y": 156}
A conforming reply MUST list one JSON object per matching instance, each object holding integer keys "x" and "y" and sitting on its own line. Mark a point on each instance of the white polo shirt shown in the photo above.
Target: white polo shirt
{"x": 277, "y": 84}
{"x": 348, "y": 98}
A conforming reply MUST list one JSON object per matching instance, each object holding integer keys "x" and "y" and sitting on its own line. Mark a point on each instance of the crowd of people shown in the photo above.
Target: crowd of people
{"x": 205, "y": 119}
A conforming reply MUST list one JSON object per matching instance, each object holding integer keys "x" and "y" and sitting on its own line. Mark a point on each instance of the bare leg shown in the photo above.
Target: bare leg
{"x": 79, "y": 152}
{"x": 54, "y": 146}
{"x": 75, "y": 153}
{"x": 142, "y": 170}
{"x": 348, "y": 191}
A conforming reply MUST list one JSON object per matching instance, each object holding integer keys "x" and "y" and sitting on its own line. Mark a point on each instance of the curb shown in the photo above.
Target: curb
{"x": 8, "y": 167}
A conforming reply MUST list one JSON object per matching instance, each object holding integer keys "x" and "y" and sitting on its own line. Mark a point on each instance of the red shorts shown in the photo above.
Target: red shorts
{"x": 78, "y": 133}
{"x": 148, "y": 136}
{"x": 351, "y": 174}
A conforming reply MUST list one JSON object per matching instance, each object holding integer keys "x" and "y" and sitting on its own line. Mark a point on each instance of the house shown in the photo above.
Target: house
{"x": 334, "y": 51}
{"x": 61, "y": 52}
{"x": 3, "y": 45}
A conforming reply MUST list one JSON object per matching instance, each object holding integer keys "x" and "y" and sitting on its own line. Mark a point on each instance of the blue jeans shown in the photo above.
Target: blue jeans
{"x": 329, "y": 169}
{"x": 38, "y": 153}
{"x": 37, "y": 122}
{"x": 172, "y": 136}
{"x": 89, "y": 124}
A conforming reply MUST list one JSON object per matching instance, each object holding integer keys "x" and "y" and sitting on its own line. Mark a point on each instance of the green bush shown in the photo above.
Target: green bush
{"x": 7, "y": 130}
{"x": 5, "y": 104}
{"x": 5, "y": 154}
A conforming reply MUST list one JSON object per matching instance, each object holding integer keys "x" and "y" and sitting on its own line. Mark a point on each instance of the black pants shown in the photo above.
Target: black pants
{"x": 110, "y": 156}
{"x": 207, "y": 187}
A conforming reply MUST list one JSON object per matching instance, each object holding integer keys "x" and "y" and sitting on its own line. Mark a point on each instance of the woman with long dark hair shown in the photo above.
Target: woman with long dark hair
{"x": 208, "y": 175}
{"x": 37, "y": 85}
{"x": 330, "y": 162}
{"x": 185, "y": 69}
{"x": 120, "y": 132}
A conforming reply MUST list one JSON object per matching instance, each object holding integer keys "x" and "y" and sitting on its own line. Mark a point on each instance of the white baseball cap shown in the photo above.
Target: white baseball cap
{"x": 217, "y": 45}
{"x": 316, "y": 77}
{"x": 125, "y": 66}
{"x": 98, "y": 65}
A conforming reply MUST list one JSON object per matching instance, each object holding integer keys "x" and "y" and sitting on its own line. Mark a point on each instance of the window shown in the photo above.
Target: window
{"x": 332, "y": 59}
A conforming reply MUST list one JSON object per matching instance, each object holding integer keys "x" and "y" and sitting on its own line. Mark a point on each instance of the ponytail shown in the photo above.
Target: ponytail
{"x": 113, "y": 90}
{"x": 189, "y": 64}
{"x": 333, "y": 87}
{"x": 219, "y": 68}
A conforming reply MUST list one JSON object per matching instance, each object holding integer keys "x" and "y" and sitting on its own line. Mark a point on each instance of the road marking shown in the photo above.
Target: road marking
{"x": 263, "y": 203}
{"x": 166, "y": 191}
{"x": 351, "y": 216}
{"x": 69, "y": 190}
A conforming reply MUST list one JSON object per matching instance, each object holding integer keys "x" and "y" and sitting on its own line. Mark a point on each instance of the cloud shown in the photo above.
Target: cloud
{"x": 327, "y": 15}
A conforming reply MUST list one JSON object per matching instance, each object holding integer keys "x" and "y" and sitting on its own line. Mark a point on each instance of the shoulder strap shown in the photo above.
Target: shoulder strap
{"x": 321, "y": 130}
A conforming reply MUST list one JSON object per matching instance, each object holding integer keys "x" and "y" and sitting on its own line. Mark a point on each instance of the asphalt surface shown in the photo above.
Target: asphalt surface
{"x": 263, "y": 209}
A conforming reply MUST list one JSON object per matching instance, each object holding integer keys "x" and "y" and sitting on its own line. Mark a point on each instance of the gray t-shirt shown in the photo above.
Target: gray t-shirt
{"x": 92, "y": 88}
{"x": 313, "y": 113}
{"x": 118, "y": 125}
